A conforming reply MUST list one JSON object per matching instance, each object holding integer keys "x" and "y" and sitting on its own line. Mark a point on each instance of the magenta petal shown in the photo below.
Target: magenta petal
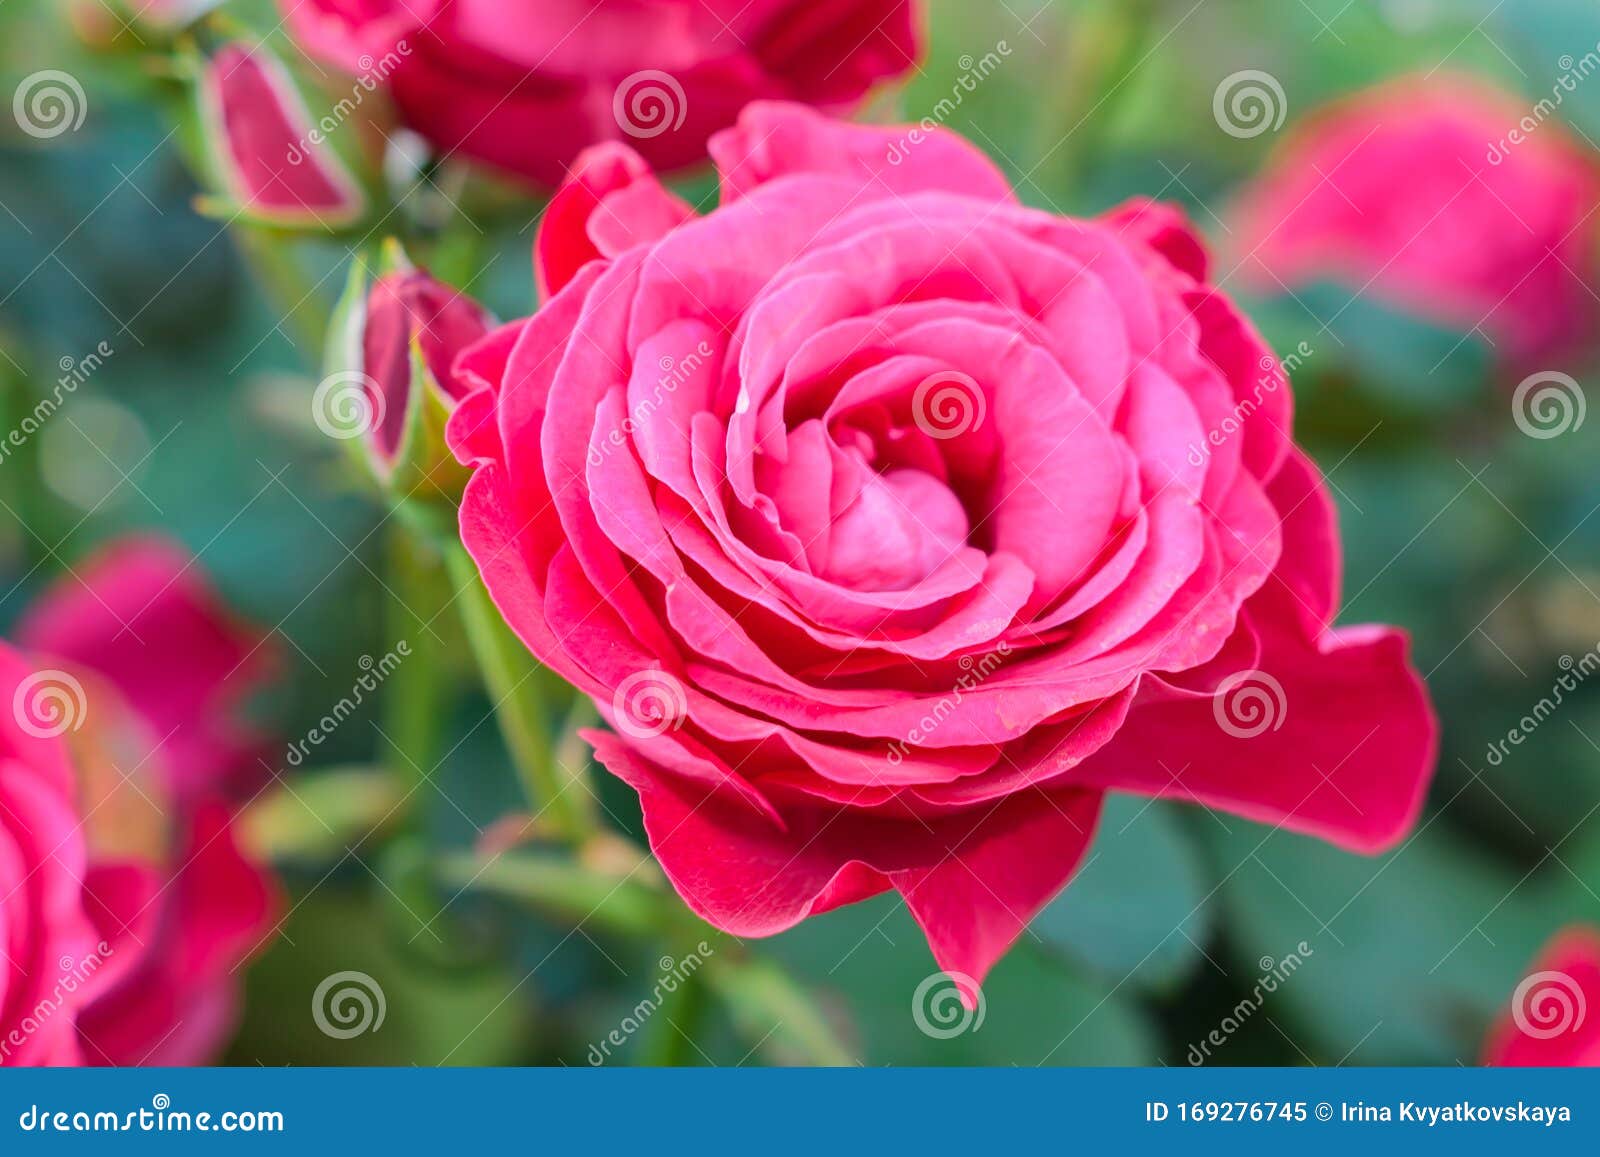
{"x": 610, "y": 202}
{"x": 775, "y": 140}
{"x": 996, "y": 878}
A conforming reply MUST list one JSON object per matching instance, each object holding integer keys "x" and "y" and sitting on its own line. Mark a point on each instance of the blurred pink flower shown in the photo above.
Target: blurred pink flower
{"x": 1430, "y": 195}
{"x": 158, "y": 767}
{"x": 525, "y": 85}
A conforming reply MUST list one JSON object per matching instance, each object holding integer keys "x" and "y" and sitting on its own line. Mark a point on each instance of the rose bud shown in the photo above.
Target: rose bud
{"x": 1489, "y": 231}
{"x": 272, "y": 162}
{"x": 390, "y": 386}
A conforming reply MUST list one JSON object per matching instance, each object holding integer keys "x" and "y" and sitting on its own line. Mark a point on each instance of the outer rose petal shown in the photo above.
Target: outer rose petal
{"x": 141, "y": 614}
{"x": 1565, "y": 1038}
{"x": 973, "y": 881}
{"x": 610, "y": 201}
{"x": 774, "y": 140}
{"x": 1353, "y": 720}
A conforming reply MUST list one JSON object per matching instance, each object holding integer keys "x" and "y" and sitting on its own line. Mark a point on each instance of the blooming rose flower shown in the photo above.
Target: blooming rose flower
{"x": 160, "y": 666}
{"x": 1433, "y": 195}
{"x": 1553, "y": 1019}
{"x": 524, "y": 85}
{"x": 46, "y": 935}
{"x": 865, "y": 510}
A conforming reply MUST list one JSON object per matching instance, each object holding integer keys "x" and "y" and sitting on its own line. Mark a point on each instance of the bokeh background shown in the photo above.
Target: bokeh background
{"x": 1478, "y": 539}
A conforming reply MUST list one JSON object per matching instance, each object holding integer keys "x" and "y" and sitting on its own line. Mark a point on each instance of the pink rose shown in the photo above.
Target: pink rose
{"x": 1430, "y": 194}
{"x": 161, "y": 666}
{"x": 890, "y": 524}
{"x": 524, "y": 85}
{"x": 1554, "y": 1019}
{"x": 50, "y": 965}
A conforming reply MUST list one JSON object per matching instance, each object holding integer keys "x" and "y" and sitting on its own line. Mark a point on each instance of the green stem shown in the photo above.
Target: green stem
{"x": 418, "y": 691}
{"x": 556, "y": 887}
{"x": 1108, "y": 41}
{"x": 524, "y": 693}
{"x": 671, "y": 1030}
{"x": 272, "y": 258}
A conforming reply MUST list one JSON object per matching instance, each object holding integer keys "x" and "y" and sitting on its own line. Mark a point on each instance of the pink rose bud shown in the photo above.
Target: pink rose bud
{"x": 274, "y": 162}
{"x": 395, "y": 342}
